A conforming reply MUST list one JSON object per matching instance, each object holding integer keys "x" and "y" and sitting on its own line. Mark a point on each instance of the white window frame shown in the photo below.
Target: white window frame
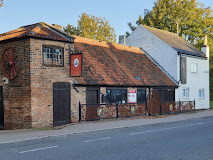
{"x": 201, "y": 93}
{"x": 184, "y": 93}
{"x": 194, "y": 67}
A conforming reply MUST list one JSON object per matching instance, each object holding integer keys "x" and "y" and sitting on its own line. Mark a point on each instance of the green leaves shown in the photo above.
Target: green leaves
{"x": 1, "y": 3}
{"x": 92, "y": 27}
{"x": 189, "y": 18}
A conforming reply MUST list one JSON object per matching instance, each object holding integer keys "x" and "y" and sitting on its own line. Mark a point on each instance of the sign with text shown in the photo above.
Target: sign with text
{"x": 76, "y": 65}
{"x": 132, "y": 96}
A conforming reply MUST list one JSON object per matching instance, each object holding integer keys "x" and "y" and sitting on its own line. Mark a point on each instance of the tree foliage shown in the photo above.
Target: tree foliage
{"x": 1, "y": 3}
{"x": 92, "y": 27}
{"x": 188, "y": 18}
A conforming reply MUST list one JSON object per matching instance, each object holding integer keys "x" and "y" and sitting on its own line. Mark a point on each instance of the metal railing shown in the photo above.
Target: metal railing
{"x": 92, "y": 112}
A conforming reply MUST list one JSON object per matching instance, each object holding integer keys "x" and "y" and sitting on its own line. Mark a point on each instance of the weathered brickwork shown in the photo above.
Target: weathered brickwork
{"x": 28, "y": 99}
{"x": 42, "y": 79}
{"x": 16, "y": 94}
{"x": 78, "y": 95}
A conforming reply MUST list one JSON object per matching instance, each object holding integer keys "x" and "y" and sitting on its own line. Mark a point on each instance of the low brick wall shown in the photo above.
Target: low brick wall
{"x": 177, "y": 107}
{"x": 89, "y": 112}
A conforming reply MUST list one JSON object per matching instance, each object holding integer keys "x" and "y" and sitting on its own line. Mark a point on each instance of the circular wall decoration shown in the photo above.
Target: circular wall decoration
{"x": 171, "y": 107}
{"x": 76, "y": 62}
{"x": 10, "y": 63}
{"x": 132, "y": 109}
{"x": 99, "y": 111}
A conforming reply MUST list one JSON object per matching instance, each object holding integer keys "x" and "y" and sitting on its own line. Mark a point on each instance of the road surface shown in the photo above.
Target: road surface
{"x": 184, "y": 140}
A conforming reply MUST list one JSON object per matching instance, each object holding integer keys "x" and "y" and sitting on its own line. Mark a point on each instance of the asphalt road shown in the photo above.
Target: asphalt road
{"x": 184, "y": 140}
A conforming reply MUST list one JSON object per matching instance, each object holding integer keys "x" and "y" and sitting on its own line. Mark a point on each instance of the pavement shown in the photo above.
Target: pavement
{"x": 10, "y": 136}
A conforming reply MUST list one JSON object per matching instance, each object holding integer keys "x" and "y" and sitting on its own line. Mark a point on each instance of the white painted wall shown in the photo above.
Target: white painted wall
{"x": 168, "y": 58}
{"x": 156, "y": 48}
{"x": 196, "y": 81}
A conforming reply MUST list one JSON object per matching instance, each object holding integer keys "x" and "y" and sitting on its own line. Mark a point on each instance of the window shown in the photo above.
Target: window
{"x": 141, "y": 95}
{"x": 201, "y": 93}
{"x": 53, "y": 56}
{"x": 167, "y": 95}
{"x": 194, "y": 67}
{"x": 116, "y": 95}
{"x": 186, "y": 92}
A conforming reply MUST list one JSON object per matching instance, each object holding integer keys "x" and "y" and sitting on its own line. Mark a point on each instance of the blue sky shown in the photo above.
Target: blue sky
{"x": 17, "y": 13}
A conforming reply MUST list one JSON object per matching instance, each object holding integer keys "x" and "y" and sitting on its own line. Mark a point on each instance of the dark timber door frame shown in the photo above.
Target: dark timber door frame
{"x": 154, "y": 102}
{"x": 89, "y": 97}
{"x": 61, "y": 103}
{"x": 1, "y": 108}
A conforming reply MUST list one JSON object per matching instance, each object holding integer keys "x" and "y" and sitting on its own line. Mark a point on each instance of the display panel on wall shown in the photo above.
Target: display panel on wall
{"x": 76, "y": 65}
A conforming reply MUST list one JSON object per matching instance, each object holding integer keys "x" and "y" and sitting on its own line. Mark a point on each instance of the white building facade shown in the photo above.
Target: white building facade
{"x": 182, "y": 62}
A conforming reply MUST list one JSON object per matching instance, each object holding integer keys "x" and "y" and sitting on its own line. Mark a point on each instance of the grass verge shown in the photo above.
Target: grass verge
{"x": 211, "y": 104}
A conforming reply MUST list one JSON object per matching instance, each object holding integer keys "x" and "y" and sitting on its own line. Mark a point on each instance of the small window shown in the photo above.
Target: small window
{"x": 201, "y": 93}
{"x": 116, "y": 95}
{"x": 53, "y": 56}
{"x": 186, "y": 92}
{"x": 141, "y": 95}
{"x": 194, "y": 67}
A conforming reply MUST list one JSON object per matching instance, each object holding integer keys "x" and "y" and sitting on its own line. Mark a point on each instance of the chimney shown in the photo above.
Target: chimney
{"x": 122, "y": 39}
{"x": 57, "y": 26}
{"x": 205, "y": 47}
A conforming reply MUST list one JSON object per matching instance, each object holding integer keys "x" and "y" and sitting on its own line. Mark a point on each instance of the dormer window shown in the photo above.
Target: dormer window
{"x": 53, "y": 56}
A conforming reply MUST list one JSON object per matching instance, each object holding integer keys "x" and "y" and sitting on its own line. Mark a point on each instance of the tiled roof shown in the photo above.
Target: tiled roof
{"x": 117, "y": 65}
{"x": 176, "y": 42}
{"x": 38, "y": 30}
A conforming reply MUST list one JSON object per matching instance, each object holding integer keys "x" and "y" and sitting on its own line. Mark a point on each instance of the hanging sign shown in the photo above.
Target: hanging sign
{"x": 76, "y": 65}
{"x": 132, "y": 96}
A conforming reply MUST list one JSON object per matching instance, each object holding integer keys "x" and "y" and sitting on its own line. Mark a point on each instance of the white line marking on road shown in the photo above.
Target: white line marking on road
{"x": 196, "y": 124}
{"x": 97, "y": 139}
{"x": 38, "y": 149}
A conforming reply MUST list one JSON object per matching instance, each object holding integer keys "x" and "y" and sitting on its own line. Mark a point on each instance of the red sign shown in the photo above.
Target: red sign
{"x": 76, "y": 65}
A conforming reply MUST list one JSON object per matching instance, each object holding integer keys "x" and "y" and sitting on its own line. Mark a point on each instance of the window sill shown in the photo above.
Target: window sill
{"x": 53, "y": 65}
{"x": 186, "y": 97}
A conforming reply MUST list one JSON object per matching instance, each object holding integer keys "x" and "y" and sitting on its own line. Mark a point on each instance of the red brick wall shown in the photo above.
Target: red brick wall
{"x": 28, "y": 100}
{"x": 16, "y": 94}
{"x": 42, "y": 79}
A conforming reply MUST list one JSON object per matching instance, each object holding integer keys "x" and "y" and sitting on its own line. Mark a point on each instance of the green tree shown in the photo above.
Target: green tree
{"x": 1, "y": 3}
{"x": 188, "y": 18}
{"x": 92, "y": 27}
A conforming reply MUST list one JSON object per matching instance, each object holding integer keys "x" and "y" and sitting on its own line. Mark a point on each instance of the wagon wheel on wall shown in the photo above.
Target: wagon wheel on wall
{"x": 10, "y": 63}
{"x": 153, "y": 102}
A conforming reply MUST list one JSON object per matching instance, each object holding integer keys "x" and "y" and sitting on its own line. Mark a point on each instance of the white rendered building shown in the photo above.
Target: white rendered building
{"x": 182, "y": 62}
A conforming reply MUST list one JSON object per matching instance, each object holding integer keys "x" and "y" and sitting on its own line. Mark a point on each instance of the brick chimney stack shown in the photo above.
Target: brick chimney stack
{"x": 205, "y": 47}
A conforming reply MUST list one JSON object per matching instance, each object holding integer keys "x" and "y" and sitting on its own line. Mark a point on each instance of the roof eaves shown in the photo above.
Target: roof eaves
{"x": 117, "y": 85}
{"x": 190, "y": 55}
{"x": 61, "y": 33}
{"x": 31, "y": 36}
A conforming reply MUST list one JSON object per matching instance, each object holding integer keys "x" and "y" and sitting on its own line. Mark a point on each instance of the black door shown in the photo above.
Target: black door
{"x": 1, "y": 109}
{"x": 61, "y": 103}
{"x": 93, "y": 100}
{"x": 92, "y": 96}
